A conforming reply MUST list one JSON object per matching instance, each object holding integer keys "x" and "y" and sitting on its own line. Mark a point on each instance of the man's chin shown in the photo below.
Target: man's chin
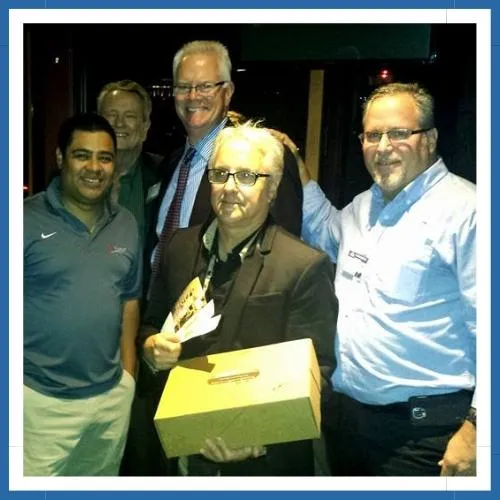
{"x": 200, "y": 123}
{"x": 229, "y": 219}
{"x": 94, "y": 196}
{"x": 122, "y": 143}
{"x": 389, "y": 189}
{"x": 126, "y": 149}
{"x": 196, "y": 127}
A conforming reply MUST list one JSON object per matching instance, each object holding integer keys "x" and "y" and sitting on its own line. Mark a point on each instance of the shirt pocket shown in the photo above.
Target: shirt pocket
{"x": 403, "y": 277}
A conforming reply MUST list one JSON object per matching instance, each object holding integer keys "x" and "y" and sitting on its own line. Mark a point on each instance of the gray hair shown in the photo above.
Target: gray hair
{"x": 423, "y": 100}
{"x": 270, "y": 148}
{"x": 205, "y": 47}
{"x": 127, "y": 86}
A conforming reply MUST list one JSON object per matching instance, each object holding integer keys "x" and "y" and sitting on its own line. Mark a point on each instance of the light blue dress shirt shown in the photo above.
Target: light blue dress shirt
{"x": 197, "y": 168}
{"x": 406, "y": 285}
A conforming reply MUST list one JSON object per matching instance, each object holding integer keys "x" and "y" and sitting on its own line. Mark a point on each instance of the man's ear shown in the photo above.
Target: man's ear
{"x": 432, "y": 137}
{"x": 229, "y": 91}
{"x": 59, "y": 158}
{"x": 273, "y": 191}
{"x": 146, "y": 129}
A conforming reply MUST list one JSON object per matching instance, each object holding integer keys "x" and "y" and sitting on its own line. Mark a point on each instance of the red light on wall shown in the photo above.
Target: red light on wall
{"x": 382, "y": 77}
{"x": 25, "y": 188}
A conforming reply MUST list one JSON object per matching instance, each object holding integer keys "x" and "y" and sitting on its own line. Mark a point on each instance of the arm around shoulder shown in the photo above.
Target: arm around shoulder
{"x": 287, "y": 207}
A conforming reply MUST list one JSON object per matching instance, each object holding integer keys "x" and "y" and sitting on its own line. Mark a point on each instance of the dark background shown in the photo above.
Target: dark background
{"x": 66, "y": 65}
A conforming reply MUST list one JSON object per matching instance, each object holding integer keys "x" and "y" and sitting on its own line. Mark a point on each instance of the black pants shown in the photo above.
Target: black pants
{"x": 366, "y": 440}
{"x": 143, "y": 454}
{"x": 287, "y": 459}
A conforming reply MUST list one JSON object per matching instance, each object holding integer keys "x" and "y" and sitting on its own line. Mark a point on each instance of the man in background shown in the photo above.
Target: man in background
{"x": 127, "y": 106}
{"x": 82, "y": 279}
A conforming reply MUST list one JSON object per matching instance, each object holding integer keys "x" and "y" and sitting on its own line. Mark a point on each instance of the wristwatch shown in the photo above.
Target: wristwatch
{"x": 471, "y": 416}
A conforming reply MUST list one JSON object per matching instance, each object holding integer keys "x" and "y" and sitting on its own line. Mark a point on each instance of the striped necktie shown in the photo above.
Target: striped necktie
{"x": 174, "y": 212}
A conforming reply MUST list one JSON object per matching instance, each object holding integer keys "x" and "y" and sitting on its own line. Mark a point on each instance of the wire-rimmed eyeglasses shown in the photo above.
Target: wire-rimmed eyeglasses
{"x": 206, "y": 88}
{"x": 393, "y": 134}
{"x": 243, "y": 177}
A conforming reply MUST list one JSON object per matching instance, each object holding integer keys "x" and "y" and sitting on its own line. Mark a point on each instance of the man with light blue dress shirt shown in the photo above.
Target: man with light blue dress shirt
{"x": 406, "y": 282}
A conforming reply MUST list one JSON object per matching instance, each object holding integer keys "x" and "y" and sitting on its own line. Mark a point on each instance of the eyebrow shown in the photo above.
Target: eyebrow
{"x": 236, "y": 169}
{"x": 91, "y": 151}
{"x": 81, "y": 150}
{"x": 191, "y": 83}
{"x": 116, "y": 110}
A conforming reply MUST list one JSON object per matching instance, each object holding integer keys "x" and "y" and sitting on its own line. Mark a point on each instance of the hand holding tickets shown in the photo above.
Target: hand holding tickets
{"x": 162, "y": 351}
{"x": 191, "y": 316}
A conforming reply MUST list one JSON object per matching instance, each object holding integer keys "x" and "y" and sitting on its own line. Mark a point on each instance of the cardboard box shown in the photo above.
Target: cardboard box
{"x": 255, "y": 396}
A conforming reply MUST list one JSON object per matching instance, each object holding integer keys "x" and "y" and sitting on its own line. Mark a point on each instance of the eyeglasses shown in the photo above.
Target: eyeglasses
{"x": 243, "y": 177}
{"x": 206, "y": 88}
{"x": 394, "y": 135}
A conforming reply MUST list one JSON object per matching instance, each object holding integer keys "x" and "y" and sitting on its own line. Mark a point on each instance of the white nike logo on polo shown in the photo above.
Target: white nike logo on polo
{"x": 45, "y": 236}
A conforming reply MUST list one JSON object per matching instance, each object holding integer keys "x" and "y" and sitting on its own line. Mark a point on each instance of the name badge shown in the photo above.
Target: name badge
{"x": 354, "y": 266}
{"x": 153, "y": 192}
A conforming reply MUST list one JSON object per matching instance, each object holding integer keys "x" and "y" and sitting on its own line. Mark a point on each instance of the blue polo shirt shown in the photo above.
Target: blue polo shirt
{"x": 75, "y": 284}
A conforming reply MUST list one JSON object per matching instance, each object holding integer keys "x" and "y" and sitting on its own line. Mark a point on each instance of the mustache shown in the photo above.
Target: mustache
{"x": 229, "y": 199}
{"x": 384, "y": 158}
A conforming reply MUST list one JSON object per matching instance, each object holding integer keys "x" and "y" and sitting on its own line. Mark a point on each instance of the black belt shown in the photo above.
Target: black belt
{"x": 439, "y": 409}
{"x": 399, "y": 408}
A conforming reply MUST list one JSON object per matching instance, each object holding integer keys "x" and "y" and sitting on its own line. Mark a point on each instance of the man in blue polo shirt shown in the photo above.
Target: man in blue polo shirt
{"x": 82, "y": 278}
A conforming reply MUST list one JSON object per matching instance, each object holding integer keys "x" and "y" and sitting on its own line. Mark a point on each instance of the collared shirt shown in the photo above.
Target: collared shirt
{"x": 221, "y": 282}
{"x": 406, "y": 286}
{"x": 75, "y": 284}
{"x": 224, "y": 270}
{"x": 196, "y": 170}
